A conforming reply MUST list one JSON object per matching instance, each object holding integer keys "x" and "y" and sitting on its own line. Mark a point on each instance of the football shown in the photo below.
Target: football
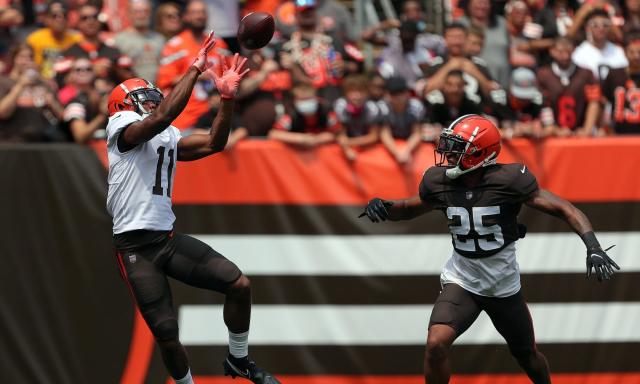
{"x": 256, "y": 30}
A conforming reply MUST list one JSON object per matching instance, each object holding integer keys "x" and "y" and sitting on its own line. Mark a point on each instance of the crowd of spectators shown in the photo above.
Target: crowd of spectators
{"x": 538, "y": 68}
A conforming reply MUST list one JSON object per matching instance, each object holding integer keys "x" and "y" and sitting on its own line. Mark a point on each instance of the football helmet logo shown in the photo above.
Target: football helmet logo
{"x": 470, "y": 142}
{"x": 130, "y": 95}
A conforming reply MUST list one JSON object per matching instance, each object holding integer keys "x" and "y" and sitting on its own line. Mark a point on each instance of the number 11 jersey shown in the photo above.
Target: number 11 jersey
{"x": 483, "y": 223}
{"x": 141, "y": 179}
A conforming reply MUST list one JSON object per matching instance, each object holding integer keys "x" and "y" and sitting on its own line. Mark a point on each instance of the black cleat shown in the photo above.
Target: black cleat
{"x": 247, "y": 369}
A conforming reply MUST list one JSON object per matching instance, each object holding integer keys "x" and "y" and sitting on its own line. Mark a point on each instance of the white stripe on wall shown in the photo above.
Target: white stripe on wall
{"x": 404, "y": 325}
{"x": 404, "y": 254}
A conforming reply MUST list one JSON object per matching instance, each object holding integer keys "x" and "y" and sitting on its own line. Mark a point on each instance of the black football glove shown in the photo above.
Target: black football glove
{"x": 377, "y": 210}
{"x": 598, "y": 260}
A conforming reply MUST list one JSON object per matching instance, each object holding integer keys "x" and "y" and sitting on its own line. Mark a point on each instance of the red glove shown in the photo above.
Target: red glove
{"x": 227, "y": 77}
{"x": 201, "y": 63}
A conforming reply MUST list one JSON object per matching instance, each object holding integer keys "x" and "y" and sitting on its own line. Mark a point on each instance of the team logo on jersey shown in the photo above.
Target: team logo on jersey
{"x": 132, "y": 258}
{"x": 469, "y": 195}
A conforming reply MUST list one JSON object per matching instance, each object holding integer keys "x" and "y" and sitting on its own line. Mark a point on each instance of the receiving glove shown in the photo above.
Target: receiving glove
{"x": 201, "y": 63}
{"x": 598, "y": 260}
{"x": 227, "y": 78}
{"x": 377, "y": 210}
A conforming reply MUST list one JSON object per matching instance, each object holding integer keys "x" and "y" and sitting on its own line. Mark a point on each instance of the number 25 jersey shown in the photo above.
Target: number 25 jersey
{"x": 141, "y": 179}
{"x": 483, "y": 223}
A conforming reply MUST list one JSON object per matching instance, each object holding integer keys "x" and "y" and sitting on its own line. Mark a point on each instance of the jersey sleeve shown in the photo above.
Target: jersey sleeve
{"x": 117, "y": 123}
{"x": 430, "y": 186}
{"x": 524, "y": 183}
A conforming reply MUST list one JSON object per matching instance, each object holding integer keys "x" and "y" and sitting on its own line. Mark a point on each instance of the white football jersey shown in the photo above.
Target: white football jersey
{"x": 141, "y": 179}
{"x": 495, "y": 276}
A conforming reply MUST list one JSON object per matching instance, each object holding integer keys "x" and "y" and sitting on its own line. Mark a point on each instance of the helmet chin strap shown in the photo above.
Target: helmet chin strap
{"x": 456, "y": 171}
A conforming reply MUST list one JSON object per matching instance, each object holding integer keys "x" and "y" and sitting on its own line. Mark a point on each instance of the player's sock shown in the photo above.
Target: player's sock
{"x": 239, "y": 344}
{"x": 186, "y": 380}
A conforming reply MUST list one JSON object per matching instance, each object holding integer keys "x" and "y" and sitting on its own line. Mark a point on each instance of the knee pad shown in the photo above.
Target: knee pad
{"x": 166, "y": 330}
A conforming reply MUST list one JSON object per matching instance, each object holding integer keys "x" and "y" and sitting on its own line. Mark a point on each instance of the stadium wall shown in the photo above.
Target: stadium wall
{"x": 336, "y": 299}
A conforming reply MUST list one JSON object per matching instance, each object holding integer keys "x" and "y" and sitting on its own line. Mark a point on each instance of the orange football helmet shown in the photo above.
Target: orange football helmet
{"x": 475, "y": 142}
{"x": 131, "y": 94}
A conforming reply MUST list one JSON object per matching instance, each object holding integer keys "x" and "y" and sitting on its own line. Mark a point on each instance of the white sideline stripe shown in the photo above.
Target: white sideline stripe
{"x": 404, "y": 325}
{"x": 404, "y": 254}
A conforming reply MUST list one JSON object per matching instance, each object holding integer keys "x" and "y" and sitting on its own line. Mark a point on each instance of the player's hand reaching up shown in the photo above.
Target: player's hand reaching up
{"x": 601, "y": 263}
{"x": 227, "y": 77}
{"x": 201, "y": 63}
{"x": 377, "y": 210}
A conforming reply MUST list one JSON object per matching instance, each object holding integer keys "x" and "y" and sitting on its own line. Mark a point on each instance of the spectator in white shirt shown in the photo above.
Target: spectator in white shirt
{"x": 597, "y": 53}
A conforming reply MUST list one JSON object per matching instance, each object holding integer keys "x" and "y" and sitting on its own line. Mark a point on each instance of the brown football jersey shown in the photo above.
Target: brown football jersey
{"x": 623, "y": 93}
{"x": 482, "y": 219}
{"x": 568, "y": 101}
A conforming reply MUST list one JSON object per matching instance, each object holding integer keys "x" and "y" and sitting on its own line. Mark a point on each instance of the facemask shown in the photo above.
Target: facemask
{"x": 307, "y": 107}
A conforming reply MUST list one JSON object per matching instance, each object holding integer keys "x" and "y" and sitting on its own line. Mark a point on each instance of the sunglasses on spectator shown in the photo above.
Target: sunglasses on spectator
{"x": 599, "y": 24}
{"x": 58, "y": 15}
{"x": 93, "y": 16}
{"x": 82, "y": 69}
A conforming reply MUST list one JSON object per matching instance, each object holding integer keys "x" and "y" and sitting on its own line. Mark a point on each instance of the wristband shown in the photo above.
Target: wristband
{"x": 589, "y": 239}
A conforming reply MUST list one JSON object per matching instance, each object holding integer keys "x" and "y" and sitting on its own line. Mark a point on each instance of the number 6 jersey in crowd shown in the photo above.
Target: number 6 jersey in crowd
{"x": 140, "y": 179}
{"x": 483, "y": 223}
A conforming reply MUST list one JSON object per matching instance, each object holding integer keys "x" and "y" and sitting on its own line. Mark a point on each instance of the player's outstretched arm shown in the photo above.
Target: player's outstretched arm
{"x": 227, "y": 79}
{"x": 144, "y": 130}
{"x": 395, "y": 210}
{"x": 597, "y": 259}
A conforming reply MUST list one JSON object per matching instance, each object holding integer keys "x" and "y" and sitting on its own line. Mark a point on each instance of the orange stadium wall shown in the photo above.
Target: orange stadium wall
{"x": 336, "y": 299}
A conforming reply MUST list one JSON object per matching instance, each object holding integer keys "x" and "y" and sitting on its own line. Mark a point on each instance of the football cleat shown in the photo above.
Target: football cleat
{"x": 247, "y": 369}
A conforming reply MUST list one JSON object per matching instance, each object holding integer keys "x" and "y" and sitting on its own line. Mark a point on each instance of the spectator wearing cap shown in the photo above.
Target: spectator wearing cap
{"x": 308, "y": 123}
{"x": 358, "y": 116}
{"x": 496, "y": 48}
{"x": 521, "y": 117}
{"x": 138, "y": 42}
{"x": 50, "y": 42}
{"x": 571, "y": 95}
{"x": 622, "y": 90}
{"x": 446, "y": 105}
{"x": 402, "y": 121}
{"x": 479, "y": 85}
{"x": 313, "y": 57}
{"x": 597, "y": 53}
{"x": 107, "y": 61}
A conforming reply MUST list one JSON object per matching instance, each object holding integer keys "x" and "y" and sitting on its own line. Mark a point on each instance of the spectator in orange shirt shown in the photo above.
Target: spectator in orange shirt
{"x": 178, "y": 54}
